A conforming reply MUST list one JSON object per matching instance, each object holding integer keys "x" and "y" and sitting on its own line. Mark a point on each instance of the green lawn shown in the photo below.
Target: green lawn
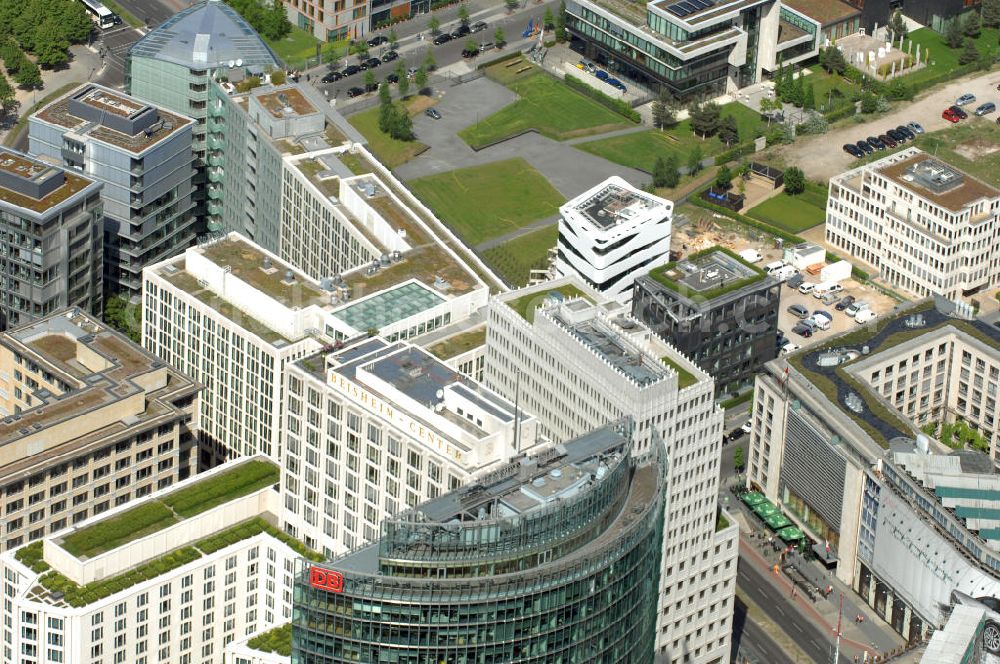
{"x": 483, "y": 202}
{"x": 391, "y": 152}
{"x": 640, "y": 149}
{"x": 515, "y": 259}
{"x": 943, "y": 59}
{"x": 793, "y": 213}
{"x": 550, "y": 107}
{"x": 299, "y": 46}
{"x": 526, "y": 304}
{"x": 824, "y": 83}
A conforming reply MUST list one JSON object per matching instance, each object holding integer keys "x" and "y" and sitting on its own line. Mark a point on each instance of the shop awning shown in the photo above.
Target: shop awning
{"x": 753, "y": 498}
{"x": 790, "y": 534}
{"x": 765, "y": 509}
{"x": 777, "y": 521}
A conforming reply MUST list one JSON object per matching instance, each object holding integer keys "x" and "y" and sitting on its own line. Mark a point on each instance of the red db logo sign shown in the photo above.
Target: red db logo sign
{"x": 326, "y": 579}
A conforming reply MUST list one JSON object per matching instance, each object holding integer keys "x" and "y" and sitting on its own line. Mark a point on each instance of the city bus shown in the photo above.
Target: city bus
{"x": 103, "y": 17}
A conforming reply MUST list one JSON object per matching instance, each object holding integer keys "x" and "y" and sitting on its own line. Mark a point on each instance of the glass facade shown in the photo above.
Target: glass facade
{"x": 574, "y": 580}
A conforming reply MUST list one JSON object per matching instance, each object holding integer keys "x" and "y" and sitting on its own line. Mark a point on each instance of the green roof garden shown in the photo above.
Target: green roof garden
{"x": 171, "y": 508}
{"x": 246, "y": 263}
{"x": 458, "y": 344}
{"x": 526, "y": 304}
{"x": 684, "y": 377}
{"x": 277, "y": 640}
{"x": 719, "y": 272}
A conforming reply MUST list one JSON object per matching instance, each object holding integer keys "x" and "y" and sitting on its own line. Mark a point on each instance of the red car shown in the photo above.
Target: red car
{"x": 950, "y": 115}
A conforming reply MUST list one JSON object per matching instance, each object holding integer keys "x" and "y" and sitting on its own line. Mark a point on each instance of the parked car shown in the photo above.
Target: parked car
{"x": 807, "y": 287}
{"x": 803, "y": 330}
{"x": 986, "y": 109}
{"x": 789, "y": 348}
{"x": 332, "y": 77}
{"x": 794, "y": 281}
{"x": 411, "y": 71}
{"x": 885, "y": 139}
{"x": 798, "y": 311}
{"x": 853, "y": 150}
{"x": 735, "y": 434}
{"x": 615, "y": 83}
{"x": 470, "y": 52}
{"x": 478, "y": 26}
{"x": 967, "y": 98}
{"x": 351, "y": 70}
{"x": 389, "y": 56}
{"x": 906, "y": 131}
{"x": 827, "y": 288}
{"x": 442, "y": 38}
{"x": 897, "y": 136}
{"x": 747, "y": 426}
{"x": 950, "y": 115}
{"x": 853, "y": 309}
{"x": 485, "y": 46}
{"x": 433, "y": 113}
{"x": 371, "y": 63}
{"x": 823, "y": 313}
{"x": 378, "y": 40}
{"x": 392, "y": 78}
{"x": 460, "y": 31}
{"x": 355, "y": 92}
{"x": 819, "y": 322}
{"x": 865, "y": 316}
{"x": 915, "y": 127}
{"x": 959, "y": 111}
{"x": 846, "y": 302}
{"x": 875, "y": 143}
{"x": 864, "y": 147}
{"x": 602, "y": 75}
{"x": 831, "y": 298}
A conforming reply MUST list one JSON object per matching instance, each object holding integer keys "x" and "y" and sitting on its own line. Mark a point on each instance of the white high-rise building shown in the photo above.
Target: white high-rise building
{"x": 578, "y": 362}
{"x": 610, "y": 234}
{"x": 169, "y": 579}
{"x": 925, "y": 226}
{"x": 374, "y": 428}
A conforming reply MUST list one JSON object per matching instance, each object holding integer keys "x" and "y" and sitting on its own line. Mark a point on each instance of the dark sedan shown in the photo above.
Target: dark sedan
{"x": 351, "y": 70}
{"x": 442, "y": 38}
{"x": 959, "y": 111}
{"x": 333, "y": 77}
{"x": 846, "y": 302}
{"x": 355, "y": 92}
{"x": 853, "y": 150}
{"x": 460, "y": 31}
{"x": 371, "y": 63}
{"x": 865, "y": 147}
{"x": 378, "y": 40}
{"x": 389, "y": 56}
{"x": 875, "y": 143}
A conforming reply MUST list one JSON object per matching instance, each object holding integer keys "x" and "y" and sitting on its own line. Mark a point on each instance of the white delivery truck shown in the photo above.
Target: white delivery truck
{"x": 835, "y": 272}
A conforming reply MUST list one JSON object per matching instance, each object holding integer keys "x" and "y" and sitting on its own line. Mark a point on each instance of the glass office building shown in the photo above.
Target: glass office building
{"x": 552, "y": 558}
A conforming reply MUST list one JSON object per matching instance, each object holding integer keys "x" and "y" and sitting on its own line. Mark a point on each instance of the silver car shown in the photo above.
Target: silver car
{"x": 965, "y": 99}
{"x": 984, "y": 109}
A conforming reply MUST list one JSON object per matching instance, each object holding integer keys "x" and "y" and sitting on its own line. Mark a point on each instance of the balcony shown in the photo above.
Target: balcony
{"x": 215, "y": 208}
{"x": 216, "y": 159}
{"x": 216, "y": 175}
{"x": 215, "y": 110}
{"x": 215, "y": 142}
{"x": 214, "y": 224}
{"x": 215, "y": 193}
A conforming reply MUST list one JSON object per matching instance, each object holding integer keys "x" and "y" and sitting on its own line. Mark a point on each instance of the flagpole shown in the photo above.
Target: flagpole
{"x": 840, "y": 618}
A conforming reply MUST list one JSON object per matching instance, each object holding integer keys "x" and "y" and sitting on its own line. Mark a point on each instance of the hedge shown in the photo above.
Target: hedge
{"x": 31, "y": 557}
{"x": 659, "y": 274}
{"x": 617, "y": 105}
{"x": 735, "y": 152}
{"x": 736, "y": 401}
{"x": 248, "y": 529}
{"x": 840, "y": 112}
{"x": 503, "y": 58}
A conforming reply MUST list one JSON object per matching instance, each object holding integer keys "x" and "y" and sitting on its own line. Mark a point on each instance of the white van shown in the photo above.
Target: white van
{"x": 807, "y": 287}
{"x": 751, "y": 256}
{"x": 827, "y": 287}
{"x": 771, "y": 268}
{"x": 785, "y": 273}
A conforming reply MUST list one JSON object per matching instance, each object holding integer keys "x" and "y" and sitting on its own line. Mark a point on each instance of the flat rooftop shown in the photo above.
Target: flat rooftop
{"x": 699, "y": 11}
{"x": 614, "y": 204}
{"x": 938, "y": 182}
{"x": 286, "y": 102}
{"x": 708, "y": 274}
{"x": 827, "y": 12}
{"x": 614, "y": 349}
{"x": 389, "y": 306}
{"x": 34, "y": 185}
{"x": 113, "y": 118}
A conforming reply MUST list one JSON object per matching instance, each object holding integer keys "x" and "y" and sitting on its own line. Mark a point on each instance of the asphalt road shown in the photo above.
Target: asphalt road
{"x": 813, "y": 641}
{"x": 153, "y": 12}
{"x": 114, "y": 45}
{"x": 752, "y": 643}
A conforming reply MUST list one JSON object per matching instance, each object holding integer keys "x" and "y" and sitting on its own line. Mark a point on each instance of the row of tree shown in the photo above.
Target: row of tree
{"x": 268, "y": 19}
{"x": 24, "y": 72}
{"x": 44, "y": 28}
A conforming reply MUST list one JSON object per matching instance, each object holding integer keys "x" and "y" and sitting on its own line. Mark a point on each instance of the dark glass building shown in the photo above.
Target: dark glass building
{"x": 552, "y": 558}
{"x": 715, "y": 308}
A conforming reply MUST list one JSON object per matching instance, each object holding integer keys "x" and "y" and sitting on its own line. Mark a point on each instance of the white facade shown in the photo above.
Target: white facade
{"x": 375, "y": 428}
{"x": 186, "y": 615}
{"x": 926, "y": 227}
{"x": 578, "y": 366}
{"x": 610, "y": 234}
{"x": 232, "y": 315}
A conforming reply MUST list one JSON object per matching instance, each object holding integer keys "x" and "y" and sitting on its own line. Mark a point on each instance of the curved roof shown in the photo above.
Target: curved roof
{"x": 205, "y": 35}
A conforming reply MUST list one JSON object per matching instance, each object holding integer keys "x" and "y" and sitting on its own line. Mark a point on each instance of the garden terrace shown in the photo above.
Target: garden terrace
{"x": 246, "y": 263}
{"x": 526, "y": 304}
{"x": 684, "y": 377}
{"x": 458, "y": 344}
{"x": 170, "y": 508}
{"x": 707, "y": 274}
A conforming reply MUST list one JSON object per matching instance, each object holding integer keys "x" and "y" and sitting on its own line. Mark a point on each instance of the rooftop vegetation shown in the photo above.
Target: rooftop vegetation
{"x": 526, "y": 304}
{"x": 277, "y": 640}
{"x": 659, "y": 274}
{"x": 684, "y": 377}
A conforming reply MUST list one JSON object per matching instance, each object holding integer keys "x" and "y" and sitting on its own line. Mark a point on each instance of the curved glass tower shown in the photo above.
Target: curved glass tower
{"x": 553, "y": 558}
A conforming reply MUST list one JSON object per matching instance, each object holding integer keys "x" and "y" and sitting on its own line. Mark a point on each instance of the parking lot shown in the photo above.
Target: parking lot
{"x": 878, "y": 303}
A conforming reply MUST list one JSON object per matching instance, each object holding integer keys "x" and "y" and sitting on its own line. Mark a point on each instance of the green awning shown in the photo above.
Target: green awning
{"x": 790, "y": 534}
{"x": 765, "y": 509}
{"x": 777, "y": 521}
{"x": 753, "y": 498}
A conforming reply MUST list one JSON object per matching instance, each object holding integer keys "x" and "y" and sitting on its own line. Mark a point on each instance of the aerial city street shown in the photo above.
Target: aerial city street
{"x": 500, "y": 331}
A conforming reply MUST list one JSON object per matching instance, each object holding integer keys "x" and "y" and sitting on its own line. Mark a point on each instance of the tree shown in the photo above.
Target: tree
{"x": 729, "y": 132}
{"x": 470, "y": 46}
{"x": 498, "y": 38}
{"x": 724, "y": 178}
{"x": 835, "y": 61}
{"x": 393, "y": 40}
{"x": 384, "y": 95}
{"x": 738, "y": 459}
{"x": 124, "y": 316}
{"x": 809, "y": 98}
{"x": 969, "y": 54}
{"x": 705, "y": 119}
{"x": 795, "y": 181}
{"x": 463, "y": 14}
{"x": 549, "y": 20}
{"x": 404, "y": 80}
{"x": 277, "y": 77}
{"x": 27, "y": 75}
{"x": 991, "y": 13}
{"x": 897, "y": 26}
{"x": 665, "y": 173}
{"x": 663, "y": 115}
{"x": 561, "y": 21}
{"x": 869, "y": 103}
{"x": 429, "y": 63}
{"x": 7, "y": 99}
{"x": 433, "y": 24}
{"x": 385, "y": 117}
{"x": 953, "y": 34}
{"x": 51, "y": 50}
{"x": 402, "y": 125}
{"x": 420, "y": 80}
{"x": 694, "y": 160}
{"x": 370, "y": 80}
{"x": 361, "y": 49}
{"x": 75, "y": 23}
{"x": 973, "y": 26}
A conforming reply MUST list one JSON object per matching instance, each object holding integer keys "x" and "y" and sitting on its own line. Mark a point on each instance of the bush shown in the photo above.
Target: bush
{"x": 617, "y": 105}
{"x": 816, "y": 124}
{"x": 278, "y": 640}
{"x": 795, "y": 181}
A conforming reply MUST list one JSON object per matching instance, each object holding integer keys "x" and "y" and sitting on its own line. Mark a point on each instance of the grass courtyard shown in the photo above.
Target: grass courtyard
{"x": 390, "y": 151}
{"x": 943, "y": 59}
{"x": 793, "y": 213}
{"x": 546, "y": 104}
{"x": 299, "y": 46}
{"x": 488, "y": 201}
{"x": 515, "y": 259}
{"x": 640, "y": 149}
